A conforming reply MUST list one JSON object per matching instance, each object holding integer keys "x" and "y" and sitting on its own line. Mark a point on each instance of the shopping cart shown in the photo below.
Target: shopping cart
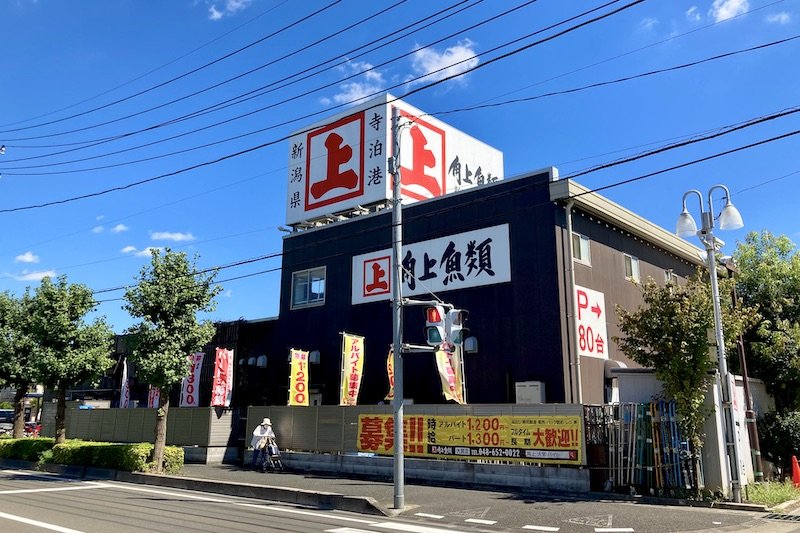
{"x": 272, "y": 459}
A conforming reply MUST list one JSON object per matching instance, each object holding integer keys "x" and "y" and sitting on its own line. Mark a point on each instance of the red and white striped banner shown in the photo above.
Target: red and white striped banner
{"x": 190, "y": 393}
{"x": 222, "y": 388}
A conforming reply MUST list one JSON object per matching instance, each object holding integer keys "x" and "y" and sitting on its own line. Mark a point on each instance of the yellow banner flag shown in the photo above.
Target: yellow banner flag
{"x": 298, "y": 382}
{"x": 449, "y": 365}
{"x": 390, "y": 372}
{"x": 352, "y": 368}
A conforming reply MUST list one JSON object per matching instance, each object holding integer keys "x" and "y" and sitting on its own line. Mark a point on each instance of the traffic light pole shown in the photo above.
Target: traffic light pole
{"x": 397, "y": 315}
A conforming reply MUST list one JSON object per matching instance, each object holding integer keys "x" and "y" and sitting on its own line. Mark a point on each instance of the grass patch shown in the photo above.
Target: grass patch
{"x": 772, "y": 493}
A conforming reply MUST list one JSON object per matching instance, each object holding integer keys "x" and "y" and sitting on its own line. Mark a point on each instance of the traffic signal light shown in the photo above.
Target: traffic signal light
{"x": 435, "y": 330}
{"x": 456, "y": 332}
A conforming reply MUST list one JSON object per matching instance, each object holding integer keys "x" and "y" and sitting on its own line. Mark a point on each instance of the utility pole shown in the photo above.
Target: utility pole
{"x": 750, "y": 414}
{"x": 397, "y": 314}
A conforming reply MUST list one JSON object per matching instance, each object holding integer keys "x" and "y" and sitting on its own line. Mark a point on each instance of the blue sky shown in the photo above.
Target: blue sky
{"x": 92, "y": 78}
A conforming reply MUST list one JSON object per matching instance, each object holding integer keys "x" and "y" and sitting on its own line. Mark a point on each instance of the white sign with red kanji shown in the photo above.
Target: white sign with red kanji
{"x": 590, "y": 323}
{"x": 342, "y": 162}
{"x": 469, "y": 259}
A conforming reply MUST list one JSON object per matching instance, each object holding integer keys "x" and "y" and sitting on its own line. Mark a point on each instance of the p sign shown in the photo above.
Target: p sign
{"x": 590, "y": 323}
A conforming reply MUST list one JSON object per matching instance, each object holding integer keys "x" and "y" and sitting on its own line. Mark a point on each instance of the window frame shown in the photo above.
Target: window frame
{"x": 636, "y": 273}
{"x": 670, "y": 277}
{"x": 309, "y": 281}
{"x": 579, "y": 257}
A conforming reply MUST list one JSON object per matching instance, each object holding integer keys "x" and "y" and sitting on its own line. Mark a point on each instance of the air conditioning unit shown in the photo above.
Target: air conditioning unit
{"x": 528, "y": 392}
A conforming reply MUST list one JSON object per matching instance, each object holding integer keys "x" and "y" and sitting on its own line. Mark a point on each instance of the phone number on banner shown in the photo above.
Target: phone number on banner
{"x": 502, "y": 453}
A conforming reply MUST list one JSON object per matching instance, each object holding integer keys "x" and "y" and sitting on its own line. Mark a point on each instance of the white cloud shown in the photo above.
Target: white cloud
{"x": 725, "y": 9}
{"x": 146, "y": 251}
{"x": 779, "y": 18}
{"x": 119, "y": 228}
{"x": 228, "y": 293}
{"x": 648, "y": 23}
{"x": 693, "y": 14}
{"x": 34, "y": 276}
{"x": 128, "y": 249}
{"x": 227, "y": 9}
{"x": 359, "y": 88}
{"x": 99, "y": 217}
{"x": 171, "y": 236}
{"x": 97, "y": 229}
{"x": 452, "y": 61}
{"x": 27, "y": 257}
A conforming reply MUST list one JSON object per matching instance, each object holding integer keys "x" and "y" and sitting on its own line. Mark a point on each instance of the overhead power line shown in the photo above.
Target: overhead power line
{"x": 279, "y": 84}
{"x": 263, "y": 145}
{"x": 151, "y": 71}
{"x": 185, "y": 74}
{"x": 6, "y": 170}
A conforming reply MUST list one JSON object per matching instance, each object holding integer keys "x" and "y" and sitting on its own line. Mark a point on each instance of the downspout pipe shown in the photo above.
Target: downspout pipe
{"x": 575, "y": 358}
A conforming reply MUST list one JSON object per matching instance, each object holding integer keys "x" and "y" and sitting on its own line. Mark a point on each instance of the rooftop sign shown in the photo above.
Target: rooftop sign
{"x": 341, "y": 163}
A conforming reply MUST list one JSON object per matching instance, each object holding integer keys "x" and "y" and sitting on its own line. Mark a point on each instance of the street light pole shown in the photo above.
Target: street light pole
{"x": 729, "y": 218}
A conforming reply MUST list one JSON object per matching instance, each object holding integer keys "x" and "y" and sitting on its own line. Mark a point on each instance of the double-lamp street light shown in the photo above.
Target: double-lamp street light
{"x": 729, "y": 218}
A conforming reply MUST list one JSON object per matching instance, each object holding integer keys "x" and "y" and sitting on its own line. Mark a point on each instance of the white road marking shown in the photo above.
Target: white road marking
{"x": 411, "y": 528}
{"x": 479, "y": 521}
{"x": 717, "y": 523}
{"x": 613, "y": 530}
{"x": 300, "y": 511}
{"x": 170, "y": 493}
{"x": 541, "y": 528}
{"x": 55, "y": 489}
{"x": 347, "y": 530}
{"x": 48, "y": 477}
{"x": 43, "y": 525}
{"x": 427, "y": 515}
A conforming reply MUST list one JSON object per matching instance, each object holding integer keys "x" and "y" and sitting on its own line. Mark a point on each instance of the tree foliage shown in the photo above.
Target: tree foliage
{"x": 671, "y": 333}
{"x": 16, "y": 351}
{"x": 70, "y": 351}
{"x": 167, "y": 297}
{"x": 769, "y": 279}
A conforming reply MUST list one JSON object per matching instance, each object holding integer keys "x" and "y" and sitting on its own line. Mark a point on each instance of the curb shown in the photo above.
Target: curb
{"x": 320, "y": 500}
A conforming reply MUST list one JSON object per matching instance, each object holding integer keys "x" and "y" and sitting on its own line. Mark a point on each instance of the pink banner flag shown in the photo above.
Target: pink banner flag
{"x": 125, "y": 392}
{"x": 153, "y": 397}
{"x": 222, "y": 388}
{"x": 189, "y": 390}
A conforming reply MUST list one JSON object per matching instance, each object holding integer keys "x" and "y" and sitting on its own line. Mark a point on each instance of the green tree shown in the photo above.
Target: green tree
{"x": 70, "y": 350}
{"x": 16, "y": 352}
{"x": 768, "y": 278}
{"x": 670, "y": 334}
{"x": 169, "y": 293}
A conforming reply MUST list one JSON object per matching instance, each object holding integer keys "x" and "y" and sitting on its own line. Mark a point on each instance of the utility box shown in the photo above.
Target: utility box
{"x": 528, "y": 392}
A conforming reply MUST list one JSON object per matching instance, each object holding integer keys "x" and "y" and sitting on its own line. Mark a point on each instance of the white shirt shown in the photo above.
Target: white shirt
{"x": 260, "y": 432}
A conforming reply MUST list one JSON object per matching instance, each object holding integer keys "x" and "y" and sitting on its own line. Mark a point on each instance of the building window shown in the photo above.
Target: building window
{"x": 670, "y": 277}
{"x": 308, "y": 287}
{"x": 632, "y": 268}
{"x": 580, "y": 249}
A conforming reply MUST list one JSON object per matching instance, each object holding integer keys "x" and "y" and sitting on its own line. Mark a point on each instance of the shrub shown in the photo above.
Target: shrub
{"x": 127, "y": 457}
{"x": 780, "y": 436}
{"x": 27, "y": 449}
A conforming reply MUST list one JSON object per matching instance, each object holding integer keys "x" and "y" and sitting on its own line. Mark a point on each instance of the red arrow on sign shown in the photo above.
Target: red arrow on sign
{"x": 596, "y": 310}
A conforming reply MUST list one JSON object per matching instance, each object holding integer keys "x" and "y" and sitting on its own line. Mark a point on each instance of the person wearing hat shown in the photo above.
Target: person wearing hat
{"x": 261, "y": 435}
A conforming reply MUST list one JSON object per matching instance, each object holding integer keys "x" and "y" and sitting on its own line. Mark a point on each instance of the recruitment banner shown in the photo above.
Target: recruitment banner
{"x": 189, "y": 390}
{"x": 352, "y": 368}
{"x": 533, "y": 438}
{"x": 153, "y": 397}
{"x": 222, "y": 386}
{"x": 125, "y": 392}
{"x": 390, "y": 372}
{"x": 449, "y": 366}
{"x": 298, "y": 379}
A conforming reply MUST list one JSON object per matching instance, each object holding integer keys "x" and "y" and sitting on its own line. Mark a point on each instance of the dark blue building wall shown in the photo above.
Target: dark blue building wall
{"x": 517, "y": 324}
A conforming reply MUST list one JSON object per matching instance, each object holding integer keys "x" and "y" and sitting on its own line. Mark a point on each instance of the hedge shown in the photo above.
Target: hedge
{"x": 126, "y": 457}
{"x": 27, "y": 449}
